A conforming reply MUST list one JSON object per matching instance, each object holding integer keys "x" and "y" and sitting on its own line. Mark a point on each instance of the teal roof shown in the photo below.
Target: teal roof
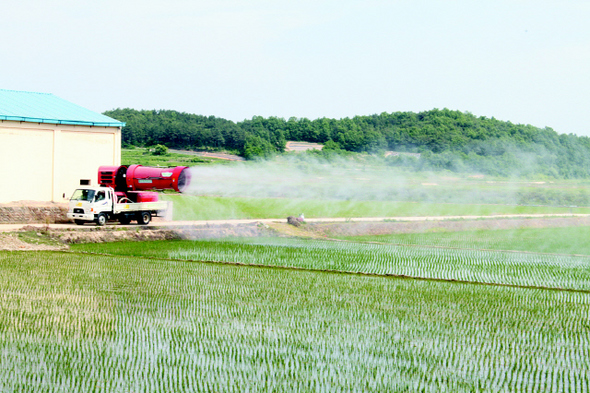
{"x": 47, "y": 108}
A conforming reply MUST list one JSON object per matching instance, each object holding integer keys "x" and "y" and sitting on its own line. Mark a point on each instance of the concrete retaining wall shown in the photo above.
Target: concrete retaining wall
{"x": 33, "y": 215}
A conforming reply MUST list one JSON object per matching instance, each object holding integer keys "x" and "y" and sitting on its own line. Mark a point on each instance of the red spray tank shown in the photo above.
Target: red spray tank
{"x": 139, "y": 178}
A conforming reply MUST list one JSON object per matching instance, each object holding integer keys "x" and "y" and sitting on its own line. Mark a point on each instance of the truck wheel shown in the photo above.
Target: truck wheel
{"x": 144, "y": 218}
{"x": 79, "y": 222}
{"x": 101, "y": 220}
{"x": 125, "y": 220}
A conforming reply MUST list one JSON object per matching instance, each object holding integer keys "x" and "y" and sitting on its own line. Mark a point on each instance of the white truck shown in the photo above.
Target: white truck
{"x": 101, "y": 204}
{"x": 122, "y": 194}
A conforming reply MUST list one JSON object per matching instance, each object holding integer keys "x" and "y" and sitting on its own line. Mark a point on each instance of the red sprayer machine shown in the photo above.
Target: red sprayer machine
{"x": 122, "y": 194}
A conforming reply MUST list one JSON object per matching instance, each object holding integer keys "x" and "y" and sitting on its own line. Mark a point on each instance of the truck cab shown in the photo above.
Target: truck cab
{"x": 89, "y": 204}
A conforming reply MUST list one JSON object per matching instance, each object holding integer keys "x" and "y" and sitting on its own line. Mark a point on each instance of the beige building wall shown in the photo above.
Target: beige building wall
{"x": 45, "y": 162}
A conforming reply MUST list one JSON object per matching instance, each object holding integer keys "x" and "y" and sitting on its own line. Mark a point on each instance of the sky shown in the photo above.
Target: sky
{"x": 522, "y": 61}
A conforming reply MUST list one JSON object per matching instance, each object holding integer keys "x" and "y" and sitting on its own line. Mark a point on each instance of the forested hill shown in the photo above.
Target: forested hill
{"x": 447, "y": 139}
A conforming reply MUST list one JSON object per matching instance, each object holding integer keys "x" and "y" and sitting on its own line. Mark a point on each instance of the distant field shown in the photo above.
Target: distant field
{"x": 141, "y": 156}
{"x": 568, "y": 240}
{"x": 187, "y": 207}
{"x": 78, "y": 322}
{"x": 299, "y": 177}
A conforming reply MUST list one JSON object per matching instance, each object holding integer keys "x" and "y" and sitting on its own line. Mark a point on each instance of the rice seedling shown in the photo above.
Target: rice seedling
{"x": 80, "y": 322}
{"x": 567, "y": 240}
{"x": 491, "y": 267}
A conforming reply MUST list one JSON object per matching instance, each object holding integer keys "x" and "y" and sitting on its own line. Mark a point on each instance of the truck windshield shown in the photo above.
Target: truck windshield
{"x": 83, "y": 195}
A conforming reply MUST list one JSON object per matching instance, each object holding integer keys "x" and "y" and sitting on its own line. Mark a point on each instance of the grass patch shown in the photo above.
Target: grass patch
{"x": 37, "y": 238}
{"x": 188, "y": 207}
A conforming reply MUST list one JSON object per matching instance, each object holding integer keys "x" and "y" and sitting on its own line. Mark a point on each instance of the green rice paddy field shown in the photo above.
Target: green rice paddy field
{"x": 280, "y": 314}
{"x": 190, "y": 207}
{"x": 566, "y": 240}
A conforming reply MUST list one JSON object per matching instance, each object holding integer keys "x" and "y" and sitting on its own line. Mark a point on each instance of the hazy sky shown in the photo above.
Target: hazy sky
{"x": 518, "y": 60}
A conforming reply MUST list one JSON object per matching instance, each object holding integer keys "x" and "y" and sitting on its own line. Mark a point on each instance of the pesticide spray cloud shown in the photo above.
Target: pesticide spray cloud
{"x": 367, "y": 179}
{"x": 295, "y": 181}
{"x": 518, "y": 177}
{"x": 298, "y": 177}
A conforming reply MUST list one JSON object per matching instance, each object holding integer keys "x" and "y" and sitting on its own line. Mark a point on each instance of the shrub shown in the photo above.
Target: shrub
{"x": 160, "y": 150}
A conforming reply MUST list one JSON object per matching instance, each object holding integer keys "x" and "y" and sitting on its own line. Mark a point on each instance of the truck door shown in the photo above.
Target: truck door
{"x": 102, "y": 201}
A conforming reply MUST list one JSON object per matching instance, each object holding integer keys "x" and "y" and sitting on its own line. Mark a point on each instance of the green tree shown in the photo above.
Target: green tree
{"x": 257, "y": 147}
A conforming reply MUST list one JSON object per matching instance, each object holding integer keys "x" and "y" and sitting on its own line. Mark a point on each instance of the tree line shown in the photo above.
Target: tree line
{"x": 447, "y": 139}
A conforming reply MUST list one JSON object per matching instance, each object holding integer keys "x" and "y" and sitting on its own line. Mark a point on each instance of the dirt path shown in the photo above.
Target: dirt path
{"x": 12, "y": 242}
{"x": 158, "y": 222}
{"x": 302, "y": 146}
{"x": 398, "y": 227}
{"x": 221, "y": 156}
{"x": 64, "y": 234}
